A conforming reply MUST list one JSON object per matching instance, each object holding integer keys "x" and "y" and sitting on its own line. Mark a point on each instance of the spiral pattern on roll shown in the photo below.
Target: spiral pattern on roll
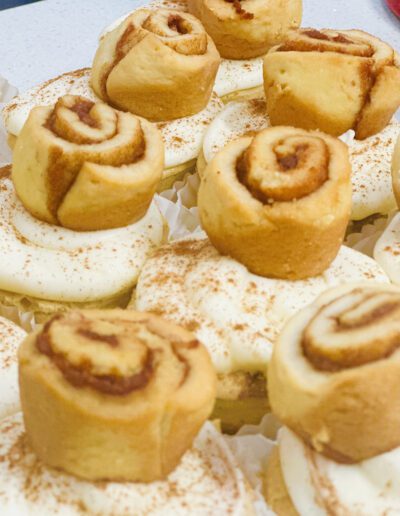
{"x": 283, "y": 165}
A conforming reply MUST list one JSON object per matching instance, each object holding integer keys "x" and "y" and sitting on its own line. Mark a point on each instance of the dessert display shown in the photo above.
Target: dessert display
{"x": 333, "y": 382}
{"x": 279, "y": 202}
{"x": 234, "y": 313}
{"x": 11, "y": 336}
{"x": 333, "y": 81}
{"x": 370, "y": 158}
{"x": 157, "y": 64}
{"x": 137, "y": 387}
{"x": 242, "y": 30}
{"x": 167, "y": 310}
{"x": 182, "y": 137}
{"x": 86, "y": 166}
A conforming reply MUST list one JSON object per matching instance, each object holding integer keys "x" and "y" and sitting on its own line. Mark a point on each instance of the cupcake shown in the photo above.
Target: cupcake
{"x": 11, "y": 336}
{"x": 370, "y": 158}
{"x": 235, "y": 314}
{"x": 140, "y": 420}
{"x": 333, "y": 382}
{"x": 80, "y": 198}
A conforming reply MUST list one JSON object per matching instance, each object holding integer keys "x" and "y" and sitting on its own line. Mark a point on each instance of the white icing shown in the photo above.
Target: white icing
{"x": 236, "y": 314}
{"x": 182, "y": 137}
{"x": 54, "y": 263}
{"x": 387, "y": 250}
{"x": 238, "y": 75}
{"x": 317, "y": 486}
{"x": 10, "y": 339}
{"x": 206, "y": 482}
{"x": 370, "y": 159}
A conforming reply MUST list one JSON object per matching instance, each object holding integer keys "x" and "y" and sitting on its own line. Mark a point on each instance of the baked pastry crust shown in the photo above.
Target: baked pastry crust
{"x": 275, "y": 490}
{"x": 87, "y": 166}
{"x": 335, "y": 371}
{"x": 159, "y": 65}
{"x": 249, "y": 28}
{"x": 278, "y": 202}
{"x": 333, "y": 81}
{"x": 114, "y": 394}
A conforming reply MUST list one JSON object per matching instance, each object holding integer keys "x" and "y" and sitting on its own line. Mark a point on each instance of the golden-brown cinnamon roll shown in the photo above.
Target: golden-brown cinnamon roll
{"x": 396, "y": 171}
{"x": 87, "y": 166}
{"x": 242, "y": 29}
{"x": 114, "y": 394}
{"x": 333, "y": 81}
{"x": 334, "y": 376}
{"x": 160, "y": 65}
{"x": 278, "y": 202}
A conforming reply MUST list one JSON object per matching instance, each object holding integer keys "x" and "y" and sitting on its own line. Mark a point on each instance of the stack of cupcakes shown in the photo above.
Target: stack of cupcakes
{"x": 292, "y": 134}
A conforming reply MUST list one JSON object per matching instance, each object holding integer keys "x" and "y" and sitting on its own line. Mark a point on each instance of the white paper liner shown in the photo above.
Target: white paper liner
{"x": 364, "y": 241}
{"x": 252, "y": 447}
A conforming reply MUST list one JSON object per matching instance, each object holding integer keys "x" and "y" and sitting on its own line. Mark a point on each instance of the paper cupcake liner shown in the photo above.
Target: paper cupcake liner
{"x": 252, "y": 447}
{"x": 364, "y": 237}
{"x": 25, "y": 320}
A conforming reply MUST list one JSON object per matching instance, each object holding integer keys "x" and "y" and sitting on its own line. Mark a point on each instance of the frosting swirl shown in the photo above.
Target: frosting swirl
{"x": 153, "y": 54}
{"x": 89, "y": 166}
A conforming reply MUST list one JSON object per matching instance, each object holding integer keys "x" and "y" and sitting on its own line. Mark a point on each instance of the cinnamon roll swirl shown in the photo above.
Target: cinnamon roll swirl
{"x": 114, "y": 394}
{"x": 278, "y": 202}
{"x": 334, "y": 372}
{"x": 242, "y": 29}
{"x": 333, "y": 81}
{"x": 86, "y": 166}
{"x": 160, "y": 65}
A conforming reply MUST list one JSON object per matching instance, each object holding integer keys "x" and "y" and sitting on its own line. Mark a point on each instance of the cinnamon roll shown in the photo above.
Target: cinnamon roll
{"x": 114, "y": 394}
{"x": 396, "y": 171}
{"x": 86, "y": 166}
{"x": 182, "y": 137}
{"x": 370, "y": 159}
{"x": 278, "y": 202}
{"x": 235, "y": 314}
{"x": 157, "y": 64}
{"x": 242, "y": 29}
{"x": 333, "y": 81}
{"x": 334, "y": 373}
{"x": 206, "y": 481}
{"x": 11, "y": 336}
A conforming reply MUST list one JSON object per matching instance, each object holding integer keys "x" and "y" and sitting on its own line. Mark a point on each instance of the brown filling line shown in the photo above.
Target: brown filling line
{"x": 243, "y": 14}
{"x": 287, "y": 163}
{"x": 178, "y": 24}
{"x": 81, "y": 376}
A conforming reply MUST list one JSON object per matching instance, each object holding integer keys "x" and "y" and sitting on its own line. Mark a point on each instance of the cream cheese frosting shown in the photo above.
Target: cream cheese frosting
{"x": 387, "y": 250}
{"x": 235, "y": 314}
{"x": 182, "y": 137}
{"x": 11, "y": 336}
{"x": 57, "y": 264}
{"x": 370, "y": 159}
{"x": 206, "y": 482}
{"x": 320, "y": 487}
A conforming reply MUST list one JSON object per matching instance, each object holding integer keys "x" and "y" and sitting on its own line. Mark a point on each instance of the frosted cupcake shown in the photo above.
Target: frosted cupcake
{"x": 80, "y": 199}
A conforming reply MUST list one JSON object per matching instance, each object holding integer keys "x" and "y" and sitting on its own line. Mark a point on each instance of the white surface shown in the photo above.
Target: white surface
{"x": 42, "y": 40}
